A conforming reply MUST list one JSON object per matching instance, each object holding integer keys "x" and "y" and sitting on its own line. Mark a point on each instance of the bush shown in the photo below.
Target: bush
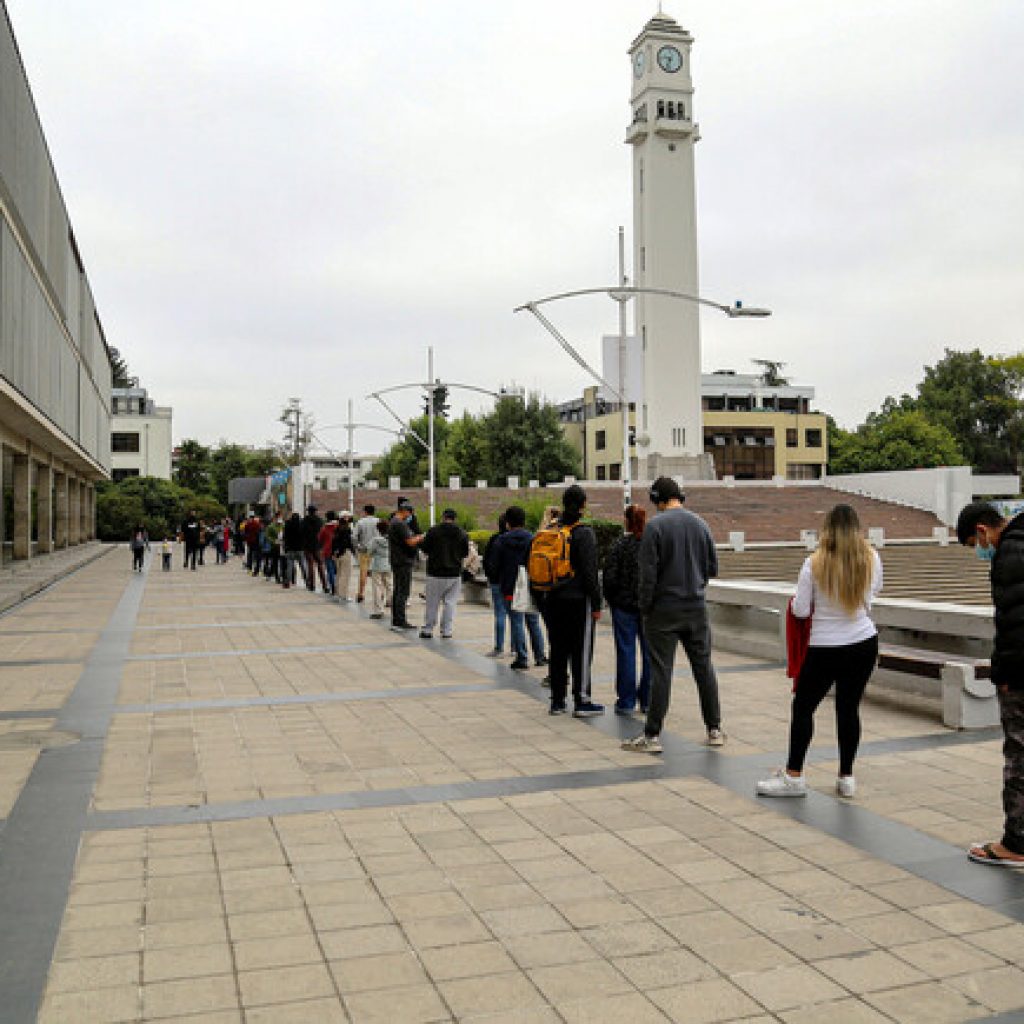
{"x": 480, "y": 538}
{"x": 158, "y": 505}
{"x": 607, "y": 531}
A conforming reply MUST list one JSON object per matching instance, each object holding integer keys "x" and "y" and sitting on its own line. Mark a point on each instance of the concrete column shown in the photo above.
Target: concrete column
{"x": 92, "y": 511}
{"x": 22, "y": 508}
{"x": 44, "y": 492}
{"x": 74, "y": 511}
{"x": 81, "y": 511}
{"x": 61, "y": 511}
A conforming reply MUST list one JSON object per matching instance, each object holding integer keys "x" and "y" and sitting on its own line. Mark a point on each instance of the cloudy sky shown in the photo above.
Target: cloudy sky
{"x": 295, "y": 200}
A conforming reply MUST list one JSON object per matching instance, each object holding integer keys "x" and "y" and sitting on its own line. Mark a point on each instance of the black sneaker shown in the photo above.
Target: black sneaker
{"x": 587, "y": 709}
{"x": 558, "y": 709}
{"x": 424, "y": 635}
{"x": 377, "y": 615}
{"x": 519, "y": 665}
{"x": 541, "y": 662}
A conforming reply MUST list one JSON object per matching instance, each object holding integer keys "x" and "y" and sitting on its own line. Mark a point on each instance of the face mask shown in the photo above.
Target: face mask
{"x": 985, "y": 554}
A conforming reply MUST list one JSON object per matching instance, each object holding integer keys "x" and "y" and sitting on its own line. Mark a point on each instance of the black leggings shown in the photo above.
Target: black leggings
{"x": 849, "y": 667}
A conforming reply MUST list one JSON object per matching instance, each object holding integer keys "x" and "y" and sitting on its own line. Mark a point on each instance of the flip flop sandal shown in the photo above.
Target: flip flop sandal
{"x": 990, "y": 857}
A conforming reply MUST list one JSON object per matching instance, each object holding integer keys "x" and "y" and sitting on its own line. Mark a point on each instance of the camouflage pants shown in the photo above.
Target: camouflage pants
{"x": 1011, "y": 707}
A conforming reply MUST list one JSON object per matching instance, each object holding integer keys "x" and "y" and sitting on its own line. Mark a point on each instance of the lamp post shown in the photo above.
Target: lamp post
{"x": 350, "y": 426}
{"x": 623, "y": 294}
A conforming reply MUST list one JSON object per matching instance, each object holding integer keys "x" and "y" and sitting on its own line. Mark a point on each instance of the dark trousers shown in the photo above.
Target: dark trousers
{"x": 257, "y": 560}
{"x": 629, "y": 634}
{"x": 667, "y": 626}
{"x": 190, "y": 556}
{"x": 848, "y": 667}
{"x": 270, "y": 569}
{"x": 571, "y": 636}
{"x": 138, "y": 555}
{"x": 315, "y": 568}
{"x": 1011, "y": 711}
{"x": 402, "y": 575}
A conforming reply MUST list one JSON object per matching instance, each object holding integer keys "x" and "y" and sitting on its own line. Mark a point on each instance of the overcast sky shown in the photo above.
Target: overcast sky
{"x": 295, "y": 200}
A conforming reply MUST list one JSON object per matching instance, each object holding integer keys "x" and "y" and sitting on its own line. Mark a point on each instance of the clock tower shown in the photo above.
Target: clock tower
{"x": 662, "y": 133}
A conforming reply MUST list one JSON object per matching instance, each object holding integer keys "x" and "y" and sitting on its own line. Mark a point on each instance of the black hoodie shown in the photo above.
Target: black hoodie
{"x": 1008, "y": 597}
{"x": 446, "y": 547}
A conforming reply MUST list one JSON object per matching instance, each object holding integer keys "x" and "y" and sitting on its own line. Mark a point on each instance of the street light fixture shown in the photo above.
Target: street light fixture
{"x": 623, "y": 293}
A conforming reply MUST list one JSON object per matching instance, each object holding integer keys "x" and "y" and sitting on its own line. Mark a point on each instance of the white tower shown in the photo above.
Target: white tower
{"x": 662, "y": 134}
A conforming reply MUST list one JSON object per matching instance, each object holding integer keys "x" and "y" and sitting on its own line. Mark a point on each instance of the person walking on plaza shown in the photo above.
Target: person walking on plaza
{"x": 572, "y": 606}
{"x": 621, "y": 584}
{"x": 364, "y": 534}
{"x": 677, "y": 558}
{"x": 139, "y": 544}
{"x": 404, "y": 544}
{"x": 1000, "y": 541}
{"x": 834, "y": 589}
{"x": 498, "y": 606}
{"x": 190, "y": 540}
{"x": 326, "y": 541}
{"x": 312, "y": 524}
{"x": 446, "y": 547}
{"x": 344, "y": 551}
{"x": 293, "y": 538}
{"x": 166, "y": 551}
{"x": 229, "y": 533}
{"x": 217, "y": 538}
{"x": 380, "y": 571}
{"x": 511, "y": 550}
{"x": 272, "y": 548}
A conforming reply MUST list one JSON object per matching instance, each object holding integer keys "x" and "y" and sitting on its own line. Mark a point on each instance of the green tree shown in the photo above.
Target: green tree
{"x": 229, "y": 461}
{"x": 193, "y": 470}
{"x": 158, "y": 504}
{"x": 901, "y": 439}
{"x": 466, "y": 453}
{"x": 408, "y": 458}
{"x": 120, "y": 377}
{"x": 526, "y": 440}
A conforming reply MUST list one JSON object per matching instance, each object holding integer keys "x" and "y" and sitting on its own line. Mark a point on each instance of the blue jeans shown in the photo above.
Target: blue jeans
{"x": 629, "y": 631}
{"x": 332, "y": 572}
{"x": 500, "y": 615}
{"x": 521, "y": 622}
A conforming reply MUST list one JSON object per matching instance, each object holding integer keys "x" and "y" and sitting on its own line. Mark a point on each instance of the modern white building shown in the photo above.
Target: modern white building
{"x": 663, "y": 133}
{"x": 326, "y": 472}
{"x": 140, "y": 435}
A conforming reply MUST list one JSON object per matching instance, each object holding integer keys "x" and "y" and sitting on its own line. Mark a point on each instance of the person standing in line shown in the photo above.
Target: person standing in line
{"x": 229, "y": 538}
{"x": 677, "y": 558}
{"x": 573, "y": 609}
{"x": 260, "y": 548}
{"x": 511, "y": 550}
{"x": 326, "y": 541}
{"x": 204, "y": 539}
{"x": 446, "y": 547}
{"x": 498, "y": 606}
{"x": 834, "y": 589}
{"x": 272, "y": 548}
{"x": 404, "y": 544}
{"x": 190, "y": 539}
{"x": 292, "y": 534}
{"x": 380, "y": 571}
{"x": 344, "y": 551}
{"x": 139, "y": 544}
{"x": 311, "y": 526}
{"x": 1000, "y": 542}
{"x": 621, "y": 584}
{"x": 364, "y": 534}
{"x": 251, "y": 536}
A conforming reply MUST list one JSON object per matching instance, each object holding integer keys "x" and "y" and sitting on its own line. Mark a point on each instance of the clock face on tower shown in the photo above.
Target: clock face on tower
{"x": 670, "y": 59}
{"x": 638, "y": 63}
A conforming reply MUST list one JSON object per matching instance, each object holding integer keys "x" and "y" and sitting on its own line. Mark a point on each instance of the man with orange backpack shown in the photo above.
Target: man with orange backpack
{"x": 562, "y": 567}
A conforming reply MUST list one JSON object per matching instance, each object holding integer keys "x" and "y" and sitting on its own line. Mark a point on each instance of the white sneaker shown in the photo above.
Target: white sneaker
{"x": 643, "y": 744}
{"x": 846, "y": 785}
{"x": 781, "y": 783}
{"x": 716, "y": 738}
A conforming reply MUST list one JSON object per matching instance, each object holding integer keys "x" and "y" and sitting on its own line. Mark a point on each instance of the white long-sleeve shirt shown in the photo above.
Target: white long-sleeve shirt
{"x": 832, "y": 625}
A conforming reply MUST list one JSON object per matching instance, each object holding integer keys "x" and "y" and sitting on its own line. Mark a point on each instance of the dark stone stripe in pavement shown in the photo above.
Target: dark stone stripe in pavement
{"x": 257, "y": 651}
{"x": 39, "y": 842}
{"x": 156, "y": 816}
{"x": 14, "y": 716}
{"x": 304, "y": 698}
{"x": 254, "y": 624}
{"x": 30, "y": 662}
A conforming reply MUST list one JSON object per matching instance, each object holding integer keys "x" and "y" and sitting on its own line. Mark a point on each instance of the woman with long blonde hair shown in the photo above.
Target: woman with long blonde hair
{"x": 834, "y": 589}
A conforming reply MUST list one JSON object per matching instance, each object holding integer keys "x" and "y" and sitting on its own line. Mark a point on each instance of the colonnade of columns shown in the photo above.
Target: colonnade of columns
{"x": 50, "y": 508}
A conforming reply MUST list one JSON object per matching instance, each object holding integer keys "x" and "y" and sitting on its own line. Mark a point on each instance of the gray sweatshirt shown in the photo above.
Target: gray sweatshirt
{"x": 677, "y": 558}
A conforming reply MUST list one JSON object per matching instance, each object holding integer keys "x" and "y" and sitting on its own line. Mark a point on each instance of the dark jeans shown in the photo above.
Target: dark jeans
{"x": 1011, "y": 712}
{"x": 138, "y": 556}
{"x": 520, "y": 624}
{"x": 848, "y": 667}
{"x": 667, "y": 626}
{"x": 315, "y": 568}
{"x": 629, "y": 633}
{"x": 402, "y": 575}
{"x": 190, "y": 556}
{"x": 571, "y": 635}
{"x": 270, "y": 565}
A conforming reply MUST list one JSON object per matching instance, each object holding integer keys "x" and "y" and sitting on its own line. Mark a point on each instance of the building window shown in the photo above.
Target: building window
{"x": 661, "y": 108}
{"x": 124, "y": 442}
{"x": 615, "y": 471}
{"x": 600, "y": 440}
{"x": 792, "y": 437}
{"x": 122, "y": 474}
{"x": 678, "y": 437}
{"x": 812, "y": 438}
{"x": 600, "y": 473}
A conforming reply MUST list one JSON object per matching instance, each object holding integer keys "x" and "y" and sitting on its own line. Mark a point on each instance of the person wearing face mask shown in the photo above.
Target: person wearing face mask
{"x": 1000, "y": 541}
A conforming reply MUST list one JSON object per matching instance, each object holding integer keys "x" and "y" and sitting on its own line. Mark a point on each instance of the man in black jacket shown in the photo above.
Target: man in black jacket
{"x": 312, "y": 524}
{"x": 446, "y": 547}
{"x": 190, "y": 537}
{"x": 572, "y": 610}
{"x": 402, "y": 545}
{"x": 1001, "y": 542}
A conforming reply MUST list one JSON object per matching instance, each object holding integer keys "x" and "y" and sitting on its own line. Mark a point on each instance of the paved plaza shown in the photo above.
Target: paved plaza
{"x": 221, "y": 802}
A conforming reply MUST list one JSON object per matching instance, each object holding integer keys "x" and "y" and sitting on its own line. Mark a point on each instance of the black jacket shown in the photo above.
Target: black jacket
{"x": 510, "y": 551}
{"x": 584, "y": 582}
{"x": 293, "y": 534}
{"x": 621, "y": 581}
{"x": 491, "y": 558}
{"x": 341, "y": 542}
{"x": 312, "y": 524}
{"x": 190, "y": 532}
{"x": 446, "y": 547}
{"x": 1008, "y": 597}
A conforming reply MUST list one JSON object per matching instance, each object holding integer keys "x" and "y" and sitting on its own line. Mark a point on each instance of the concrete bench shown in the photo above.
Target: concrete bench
{"x": 968, "y": 696}
{"x": 477, "y": 591}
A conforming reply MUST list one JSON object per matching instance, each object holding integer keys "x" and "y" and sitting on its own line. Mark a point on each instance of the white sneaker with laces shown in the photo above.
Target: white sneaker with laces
{"x": 846, "y": 786}
{"x": 716, "y": 738}
{"x": 781, "y": 783}
{"x": 643, "y": 744}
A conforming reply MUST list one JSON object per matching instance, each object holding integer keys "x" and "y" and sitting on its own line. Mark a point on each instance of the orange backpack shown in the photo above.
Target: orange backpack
{"x": 548, "y": 563}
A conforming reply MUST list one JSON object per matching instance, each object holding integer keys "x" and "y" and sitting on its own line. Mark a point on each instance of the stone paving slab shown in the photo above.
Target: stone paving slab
{"x": 24, "y": 579}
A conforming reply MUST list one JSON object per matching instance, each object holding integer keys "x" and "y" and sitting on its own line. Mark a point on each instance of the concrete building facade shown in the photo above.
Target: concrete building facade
{"x": 54, "y": 362}
{"x": 140, "y": 435}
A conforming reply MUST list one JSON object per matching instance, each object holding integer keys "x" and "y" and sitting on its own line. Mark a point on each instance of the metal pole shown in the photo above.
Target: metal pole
{"x": 351, "y": 477}
{"x": 626, "y": 471}
{"x": 430, "y": 431}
